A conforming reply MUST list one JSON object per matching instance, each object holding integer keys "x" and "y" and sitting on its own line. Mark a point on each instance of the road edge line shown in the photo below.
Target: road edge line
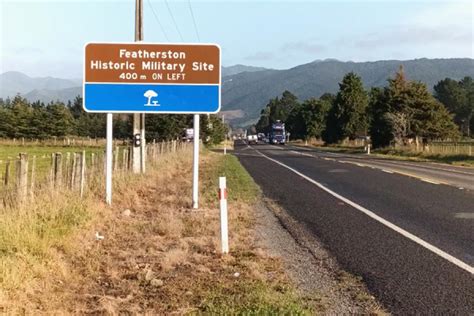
{"x": 381, "y": 220}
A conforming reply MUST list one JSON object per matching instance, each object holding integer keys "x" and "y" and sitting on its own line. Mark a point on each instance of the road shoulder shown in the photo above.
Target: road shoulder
{"x": 312, "y": 269}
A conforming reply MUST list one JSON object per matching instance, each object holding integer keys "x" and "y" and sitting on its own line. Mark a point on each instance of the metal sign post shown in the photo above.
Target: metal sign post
{"x": 108, "y": 160}
{"x": 196, "y": 162}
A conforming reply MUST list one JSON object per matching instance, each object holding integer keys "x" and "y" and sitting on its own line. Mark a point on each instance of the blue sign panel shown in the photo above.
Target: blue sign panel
{"x": 143, "y": 98}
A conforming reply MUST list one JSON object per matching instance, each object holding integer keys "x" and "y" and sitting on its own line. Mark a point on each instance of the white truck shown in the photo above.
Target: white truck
{"x": 252, "y": 139}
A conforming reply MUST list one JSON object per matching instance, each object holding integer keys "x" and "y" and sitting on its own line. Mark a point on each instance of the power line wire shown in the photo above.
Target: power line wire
{"x": 174, "y": 21}
{"x": 158, "y": 21}
{"x": 194, "y": 20}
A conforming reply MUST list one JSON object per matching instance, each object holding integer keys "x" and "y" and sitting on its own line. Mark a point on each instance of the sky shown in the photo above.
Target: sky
{"x": 46, "y": 38}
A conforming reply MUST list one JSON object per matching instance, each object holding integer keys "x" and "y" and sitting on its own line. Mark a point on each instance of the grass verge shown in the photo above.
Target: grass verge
{"x": 458, "y": 160}
{"x": 397, "y": 154}
{"x": 157, "y": 256}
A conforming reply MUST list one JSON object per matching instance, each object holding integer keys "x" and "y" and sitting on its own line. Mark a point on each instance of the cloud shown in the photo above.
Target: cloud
{"x": 259, "y": 56}
{"x": 416, "y": 35}
{"x": 459, "y": 12}
{"x": 303, "y": 46}
{"x": 29, "y": 51}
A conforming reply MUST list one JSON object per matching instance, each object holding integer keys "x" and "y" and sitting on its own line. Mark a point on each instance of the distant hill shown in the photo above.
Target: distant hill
{"x": 246, "y": 89}
{"x": 13, "y": 82}
{"x": 47, "y": 95}
{"x": 250, "y": 91}
{"x": 236, "y": 69}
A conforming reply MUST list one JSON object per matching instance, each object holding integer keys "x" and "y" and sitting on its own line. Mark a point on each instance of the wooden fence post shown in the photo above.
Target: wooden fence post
{"x": 92, "y": 168}
{"x": 83, "y": 172}
{"x": 116, "y": 155}
{"x": 7, "y": 172}
{"x": 124, "y": 160}
{"x": 51, "y": 171}
{"x": 67, "y": 169}
{"x": 58, "y": 170}
{"x": 33, "y": 178}
{"x": 22, "y": 177}
{"x": 73, "y": 171}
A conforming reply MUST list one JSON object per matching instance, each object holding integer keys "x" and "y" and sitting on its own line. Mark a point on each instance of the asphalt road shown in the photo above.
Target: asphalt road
{"x": 411, "y": 241}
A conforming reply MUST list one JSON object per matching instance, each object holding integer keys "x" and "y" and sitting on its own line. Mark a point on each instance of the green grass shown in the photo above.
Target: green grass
{"x": 399, "y": 154}
{"x": 43, "y": 156}
{"x": 460, "y": 160}
{"x": 28, "y": 234}
{"x": 240, "y": 185}
{"x": 253, "y": 297}
{"x": 246, "y": 294}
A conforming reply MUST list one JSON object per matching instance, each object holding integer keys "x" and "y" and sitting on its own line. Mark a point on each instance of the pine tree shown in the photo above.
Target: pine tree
{"x": 349, "y": 113}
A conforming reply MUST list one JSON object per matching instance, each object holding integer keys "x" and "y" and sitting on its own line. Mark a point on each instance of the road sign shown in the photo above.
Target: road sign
{"x": 152, "y": 78}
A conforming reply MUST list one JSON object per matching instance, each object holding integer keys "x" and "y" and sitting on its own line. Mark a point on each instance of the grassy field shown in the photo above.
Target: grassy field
{"x": 42, "y": 153}
{"x": 160, "y": 258}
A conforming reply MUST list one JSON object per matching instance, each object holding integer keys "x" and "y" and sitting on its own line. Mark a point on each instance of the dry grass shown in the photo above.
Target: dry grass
{"x": 161, "y": 259}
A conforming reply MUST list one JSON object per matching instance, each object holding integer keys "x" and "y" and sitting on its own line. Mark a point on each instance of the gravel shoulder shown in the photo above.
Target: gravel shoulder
{"x": 312, "y": 269}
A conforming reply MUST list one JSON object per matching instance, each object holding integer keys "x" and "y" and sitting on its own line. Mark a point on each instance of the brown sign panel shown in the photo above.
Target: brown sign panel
{"x": 152, "y": 63}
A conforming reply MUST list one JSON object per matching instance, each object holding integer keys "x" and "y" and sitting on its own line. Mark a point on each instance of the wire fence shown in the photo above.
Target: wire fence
{"x": 21, "y": 180}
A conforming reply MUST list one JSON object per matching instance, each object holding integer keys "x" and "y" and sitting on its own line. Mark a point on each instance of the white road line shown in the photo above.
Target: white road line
{"x": 387, "y": 171}
{"x": 381, "y": 220}
{"x": 429, "y": 181}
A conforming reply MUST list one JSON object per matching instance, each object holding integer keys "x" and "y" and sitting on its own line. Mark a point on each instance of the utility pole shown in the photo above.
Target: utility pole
{"x": 138, "y": 152}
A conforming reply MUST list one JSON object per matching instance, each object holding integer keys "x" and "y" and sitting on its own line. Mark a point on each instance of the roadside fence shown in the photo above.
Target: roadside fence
{"x": 21, "y": 179}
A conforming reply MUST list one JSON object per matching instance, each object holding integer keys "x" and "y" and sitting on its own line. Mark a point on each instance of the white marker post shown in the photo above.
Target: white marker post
{"x": 223, "y": 207}
{"x": 108, "y": 161}
{"x": 368, "y": 149}
{"x": 196, "y": 162}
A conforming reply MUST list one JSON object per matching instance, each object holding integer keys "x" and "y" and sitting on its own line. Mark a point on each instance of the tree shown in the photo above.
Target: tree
{"x": 457, "y": 97}
{"x": 167, "y": 126}
{"x": 380, "y": 124}
{"x": 314, "y": 113}
{"x": 348, "y": 116}
{"x": 467, "y": 83}
{"x": 276, "y": 110}
{"x": 296, "y": 123}
{"x": 61, "y": 121}
{"x": 212, "y": 129}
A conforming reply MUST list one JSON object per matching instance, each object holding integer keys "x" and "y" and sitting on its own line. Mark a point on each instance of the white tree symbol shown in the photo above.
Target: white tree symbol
{"x": 150, "y": 94}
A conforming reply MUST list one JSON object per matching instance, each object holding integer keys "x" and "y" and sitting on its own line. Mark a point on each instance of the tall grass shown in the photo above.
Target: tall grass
{"x": 36, "y": 235}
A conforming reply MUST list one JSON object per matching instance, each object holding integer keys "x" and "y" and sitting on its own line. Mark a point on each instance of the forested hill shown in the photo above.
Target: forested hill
{"x": 248, "y": 92}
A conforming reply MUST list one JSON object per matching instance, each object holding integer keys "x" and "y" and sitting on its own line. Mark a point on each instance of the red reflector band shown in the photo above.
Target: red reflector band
{"x": 220, "y": 194}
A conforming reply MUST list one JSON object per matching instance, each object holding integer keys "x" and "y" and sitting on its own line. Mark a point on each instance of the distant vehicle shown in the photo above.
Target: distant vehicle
{"x": 188, "y": 135}
{"x": 261, "y": 137}
{"x": 277, "y": 134}
{"x": 252, "y": 139}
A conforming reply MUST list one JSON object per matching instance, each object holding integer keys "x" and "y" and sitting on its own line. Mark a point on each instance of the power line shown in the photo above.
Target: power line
{"x": 158, "y": 21}
{"x": 174, "y": 21}
{"x": 194, "y": 20}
